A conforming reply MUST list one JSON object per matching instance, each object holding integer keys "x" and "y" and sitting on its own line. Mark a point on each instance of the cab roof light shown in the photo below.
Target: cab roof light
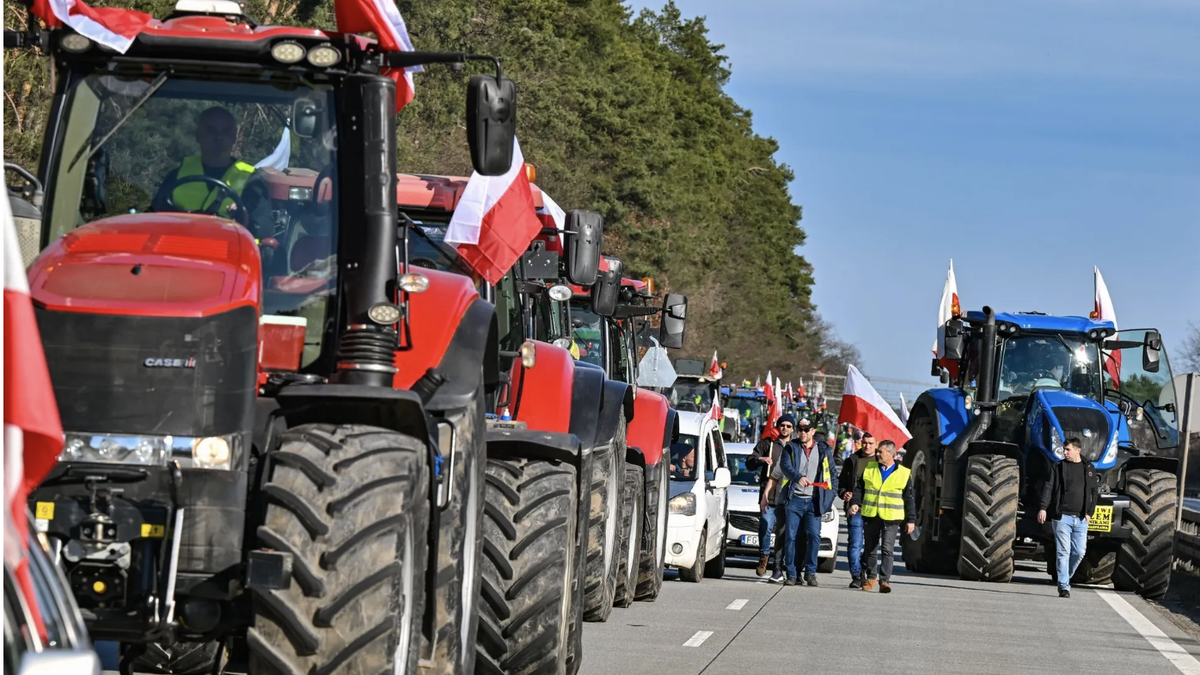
{"x": 220, "y": 7}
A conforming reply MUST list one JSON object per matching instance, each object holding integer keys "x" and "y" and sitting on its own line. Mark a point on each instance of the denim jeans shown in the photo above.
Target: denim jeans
{"x": 801, "y": 511}
{"x": 1070, "y": 543}
{"x": 766, "y": 525}
{"x": 854, "y": 544}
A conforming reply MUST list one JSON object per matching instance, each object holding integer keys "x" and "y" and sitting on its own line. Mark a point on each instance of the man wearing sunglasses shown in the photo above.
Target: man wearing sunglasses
{"x": 764, "y": 456}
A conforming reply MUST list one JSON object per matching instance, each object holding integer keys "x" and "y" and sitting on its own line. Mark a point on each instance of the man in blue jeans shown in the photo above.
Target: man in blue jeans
{"x": 764, "y": 457}
{"x": 805, "y": 479}
{"x": 852, "y": 471}
{"x": 1068, "y": 498}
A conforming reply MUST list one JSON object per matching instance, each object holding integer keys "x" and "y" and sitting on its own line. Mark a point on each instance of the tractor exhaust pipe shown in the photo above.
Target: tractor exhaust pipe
{"x": 986, "y": 399}
{"x": 985, "y": 408}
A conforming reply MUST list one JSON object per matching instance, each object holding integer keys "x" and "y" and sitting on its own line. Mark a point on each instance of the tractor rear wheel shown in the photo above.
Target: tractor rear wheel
{"x": 1096, "y": 568}
{"x": 608, "y": 474}
{"x": 529, "y": 528}
{"x": 1144, "y": 560}
{"x": 632, "y": 524}
{"x": 920, "y": 551}
{"x": 350, "y": 504}
{"x": 654, "y": 545}
{"x": 181, "y": 658}
{"x": 989, "y": 521}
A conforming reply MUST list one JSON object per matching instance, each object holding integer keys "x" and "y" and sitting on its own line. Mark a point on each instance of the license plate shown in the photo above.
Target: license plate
{"x": 749, "y": 540}
{"x": 1101, "y": 520}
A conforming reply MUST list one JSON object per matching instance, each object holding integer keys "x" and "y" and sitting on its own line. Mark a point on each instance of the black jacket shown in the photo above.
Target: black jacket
{"x": 852, "y": 469}
{"x": 1050, "y": 495}
{"x": 764, "y": 448}
{"x": 910, "y": 502}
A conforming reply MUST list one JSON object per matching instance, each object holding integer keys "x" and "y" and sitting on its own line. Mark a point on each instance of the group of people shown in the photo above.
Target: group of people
{"x": 798, "y": 487}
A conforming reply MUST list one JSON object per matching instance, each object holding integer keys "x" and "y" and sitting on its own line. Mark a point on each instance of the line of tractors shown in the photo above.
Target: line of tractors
{"x": 323, "y": 444}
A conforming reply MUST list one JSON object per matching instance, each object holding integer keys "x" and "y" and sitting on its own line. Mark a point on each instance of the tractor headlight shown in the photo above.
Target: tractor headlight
{"x": 560, "y": 293}
{"x": 287, "y": 52}
{"x": 324, "y": 56}
{"x": 203, "y": 452}
{"x": 75, "y": 43}
{"x": 528, "y": 355}
{"x": 1110, "y": 453}
{"x": 1056, "y": 443}
{"x": 684, "y": 504}
{"x": 212, "y": 452}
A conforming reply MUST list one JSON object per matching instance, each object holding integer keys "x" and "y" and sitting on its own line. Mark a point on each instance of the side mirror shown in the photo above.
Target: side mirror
{"x": 60, "y": 662}
{"x": 721, "y": 478}
{"x": 585, "y": 230}
{"x": 1151, "y": 351}
{"x": 491, "y": 123}
{"x": 674, "y": 318}
{"x": 305, "y": 116}
{"x": 954, "y": 341}
{"x": 607, "y": 288}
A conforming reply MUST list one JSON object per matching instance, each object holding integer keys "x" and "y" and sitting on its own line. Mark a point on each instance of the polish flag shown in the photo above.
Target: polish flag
{"x": 495, "y": 220}
{"x": 559, "y": 216}
{"x": 1104, "y": 311}
{"x": 112, "y": 27}
{"x": 382, "y": 18}
{"x": 33, "y": 433}
{"x": 863, "y": 407}
{"x": 903, "y": 410}
{"x": 946, "y": 310}
{"x": 714, "y": 368}
{"x": 803, "y": 393}
{"x": 715, "y": 412}
{"x": 774, "y": 410}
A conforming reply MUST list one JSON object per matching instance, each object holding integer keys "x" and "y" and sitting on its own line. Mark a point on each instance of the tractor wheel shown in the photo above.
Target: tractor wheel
{"x": 1144, "y": 560}
{"x": 632, "y": 524}
{"x": 529, "y": 525}
{"x": 989, "y": 522}
{"x": 921, "y": 552}
{"x": 608, "y": 474}
{"x": 350, "y": 504}
{"x": 182, "y": 658}
{"x": 654, "y": 544}
{"x": 460, "y": 550}
{"x": 695, "y": 573}
{"x": 715, "y": 568}
{"x": 1096, "y": 568}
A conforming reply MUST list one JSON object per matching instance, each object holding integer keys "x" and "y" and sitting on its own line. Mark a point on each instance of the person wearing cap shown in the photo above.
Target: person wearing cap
{"x": 807, "y": 482}
{"x": 852, "y": 470}
{"x": 771, "y": 519}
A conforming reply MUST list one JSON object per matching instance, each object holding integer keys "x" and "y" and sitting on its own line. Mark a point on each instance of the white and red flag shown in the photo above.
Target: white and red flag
{"x": 715, "y": 412}
{"x": 948, "y": 308}
{"x": 112, "y": 27}
{"x": 381, "y": 18}
{"x": 774, "y": 409}
{"x": 1104, "y": 311}
{"x": 714, "y": 368}
{"x": 495, "y": 220}
{"x": 864, "y": 408}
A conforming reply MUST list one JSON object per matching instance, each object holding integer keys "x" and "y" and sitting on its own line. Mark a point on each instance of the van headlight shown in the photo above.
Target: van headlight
{"x": 828, "y": 516}
{"x": 684, "y": 504}
{"x": 199, "y": 452}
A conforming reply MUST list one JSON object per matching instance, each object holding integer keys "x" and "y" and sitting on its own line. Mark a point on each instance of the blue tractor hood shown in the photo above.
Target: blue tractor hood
{"x": 1056, "y": 415}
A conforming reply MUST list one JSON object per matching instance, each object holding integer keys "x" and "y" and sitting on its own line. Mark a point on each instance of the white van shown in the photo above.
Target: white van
{"x": 698, "y": 518}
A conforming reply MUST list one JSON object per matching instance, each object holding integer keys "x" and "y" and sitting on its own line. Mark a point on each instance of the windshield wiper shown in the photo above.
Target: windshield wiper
{"x": 154, "y": 87}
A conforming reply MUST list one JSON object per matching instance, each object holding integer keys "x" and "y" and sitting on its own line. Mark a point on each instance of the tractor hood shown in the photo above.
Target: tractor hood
{"x": 1056, "y": 415}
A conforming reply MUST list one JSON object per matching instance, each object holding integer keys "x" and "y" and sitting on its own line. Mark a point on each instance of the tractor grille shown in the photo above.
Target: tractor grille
{"x": 1089, "y": 425}
{"x": 744, "y": 521}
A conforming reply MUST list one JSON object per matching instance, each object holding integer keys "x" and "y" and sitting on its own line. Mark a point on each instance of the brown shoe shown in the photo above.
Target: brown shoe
{"x": 885, "y": 587}
{"x": 868, "y": 585}
{"x": 762, "y": 565}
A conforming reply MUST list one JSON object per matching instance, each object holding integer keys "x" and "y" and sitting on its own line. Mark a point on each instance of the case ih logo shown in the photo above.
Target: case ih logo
{"x": 169, "y": 363}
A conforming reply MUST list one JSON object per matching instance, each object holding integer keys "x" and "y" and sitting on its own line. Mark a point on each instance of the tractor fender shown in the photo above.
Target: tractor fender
{"x": 541, "y": 395}
{"x": 587, "y": 395}
{"x": 618, "y": 396}
{"x": 649, "y": 427}
{"x": 396, "y": 409}
{"x": 1010, "y": 450}
{"x": 634, "y": 456}
{"x": 531, "y": 444}
{"x": 475, "y": 342}
{"x": 952, "y": 415}
{"x": 435, "y": 316}
{"x": 671, "y": 428}
{"x": 1168, "y": 464}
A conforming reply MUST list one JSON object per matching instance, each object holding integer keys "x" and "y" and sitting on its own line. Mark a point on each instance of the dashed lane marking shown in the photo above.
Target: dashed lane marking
{"x": 1185, "y": 662}
{"x": 702, "y": 635}
{"x": 737, "y": 604}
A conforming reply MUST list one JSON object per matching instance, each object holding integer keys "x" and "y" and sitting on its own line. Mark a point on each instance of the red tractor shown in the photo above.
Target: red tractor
{"x": 275, "y": 428}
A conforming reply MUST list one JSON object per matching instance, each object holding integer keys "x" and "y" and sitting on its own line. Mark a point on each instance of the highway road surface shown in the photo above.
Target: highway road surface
{"x": 740, "y": 625}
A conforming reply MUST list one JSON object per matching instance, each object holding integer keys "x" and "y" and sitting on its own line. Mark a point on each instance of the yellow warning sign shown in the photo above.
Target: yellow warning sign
{"x": 1101, "y": 519}
{"x": 153, "y": 531}
{"x": 44, "y": 510}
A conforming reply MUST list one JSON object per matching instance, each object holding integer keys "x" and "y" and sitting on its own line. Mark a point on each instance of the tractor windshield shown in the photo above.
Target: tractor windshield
{"x": 1029, "y": 362}
{"x": 1153, "y": 414}
{"x": 589, "y": 336}
{"x": 747, "y": 408}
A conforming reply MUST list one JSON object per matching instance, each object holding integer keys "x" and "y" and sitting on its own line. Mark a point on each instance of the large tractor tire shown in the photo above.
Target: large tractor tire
{"x": 1144, "y": 560}
{"x": 921, "y": 553}
{"x": 632, "y": 525}
{"x": 608, "y": 475}
{"x": 654, "y": 542}
{"x": 695, "y": 573}
{"x": 351, "y": 505}
{"x": 182, "y": 658}
{"x": 1096, "y": 568}
{"x": 529, "y": 530}
{"x": 989, "y": 521}
{"x": 460, "y": 549}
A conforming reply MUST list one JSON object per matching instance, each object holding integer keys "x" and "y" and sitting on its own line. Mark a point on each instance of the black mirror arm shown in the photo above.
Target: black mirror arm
{"x": 409, "y": 59}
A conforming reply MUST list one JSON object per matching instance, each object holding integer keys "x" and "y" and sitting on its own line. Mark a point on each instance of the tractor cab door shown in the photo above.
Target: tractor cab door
{"x": 1138, "y": 380}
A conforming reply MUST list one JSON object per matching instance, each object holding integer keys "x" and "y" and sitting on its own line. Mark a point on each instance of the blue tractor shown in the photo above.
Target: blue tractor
{"x": 1021, "y": 385}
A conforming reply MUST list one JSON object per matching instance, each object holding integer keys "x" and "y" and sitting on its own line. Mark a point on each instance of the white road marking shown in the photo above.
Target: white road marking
{"x": 702, "y": 635}
{"x": 1185, "y": 662}
{"x": 737, "y": 604}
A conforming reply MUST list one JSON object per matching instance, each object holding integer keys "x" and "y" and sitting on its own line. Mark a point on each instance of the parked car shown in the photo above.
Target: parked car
{"x": 697, "y": 523}
{"x": 742, "y": 537}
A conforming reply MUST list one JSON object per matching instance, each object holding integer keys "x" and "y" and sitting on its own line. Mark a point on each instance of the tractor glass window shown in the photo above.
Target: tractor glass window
{"x": 1147, "y": 398}
{"x": 590, "y": 336}
{"x": 1030, "y": 362}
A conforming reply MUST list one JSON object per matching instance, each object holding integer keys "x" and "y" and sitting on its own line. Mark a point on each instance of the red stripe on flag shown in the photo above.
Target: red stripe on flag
{"x": 505, "y": 232}
{"x": 867, "y": 417}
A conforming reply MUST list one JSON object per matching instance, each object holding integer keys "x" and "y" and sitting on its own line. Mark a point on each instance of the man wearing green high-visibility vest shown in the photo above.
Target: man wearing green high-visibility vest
{"x": 884, "y": 494}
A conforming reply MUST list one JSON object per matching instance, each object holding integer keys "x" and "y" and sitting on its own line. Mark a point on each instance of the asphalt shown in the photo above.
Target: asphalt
{"x": 926, "y": 625}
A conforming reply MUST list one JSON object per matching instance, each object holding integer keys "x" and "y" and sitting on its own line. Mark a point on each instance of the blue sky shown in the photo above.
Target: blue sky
{"x": 1026, "y": 139}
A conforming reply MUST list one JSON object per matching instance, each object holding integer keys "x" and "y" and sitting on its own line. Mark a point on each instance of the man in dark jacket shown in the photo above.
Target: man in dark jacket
{"x": 1068, "y": 498}
{"x": 852, "y": 470}
{"x": 764, "y": 456}
{"x": 806, "y": 480}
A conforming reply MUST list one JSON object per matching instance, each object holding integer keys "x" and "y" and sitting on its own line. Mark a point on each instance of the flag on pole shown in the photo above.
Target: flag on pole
{"x": 715, "y": 412}
{"x": 714, "y": 368}
{"x": 112, "y": 27}
{"x": 495, "y": 220}
{"x": 1104, "y": 311}
{"x": 382, "y": 18}
{"x": 774, "y": 411}
{"x": 948, "y": 308}
{"x": 864, "y": 408}
{"x": 903, "y": 410}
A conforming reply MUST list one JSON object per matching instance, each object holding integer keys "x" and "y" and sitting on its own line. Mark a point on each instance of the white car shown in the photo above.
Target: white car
{"x": 744, "y": 512}
{"x": 696, "y": 523}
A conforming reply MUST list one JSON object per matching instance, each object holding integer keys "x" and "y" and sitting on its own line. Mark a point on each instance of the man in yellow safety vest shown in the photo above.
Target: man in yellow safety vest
{"x": 884, "y": 495}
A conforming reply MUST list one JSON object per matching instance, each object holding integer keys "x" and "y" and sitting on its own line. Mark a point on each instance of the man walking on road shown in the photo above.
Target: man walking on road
{"x": 884, "y": 496}
{"x": 852, "y": 471}
{"x": 806, "y": 481}
{"x": 1068, "y": 498}
{"x": 764, "y": 457}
